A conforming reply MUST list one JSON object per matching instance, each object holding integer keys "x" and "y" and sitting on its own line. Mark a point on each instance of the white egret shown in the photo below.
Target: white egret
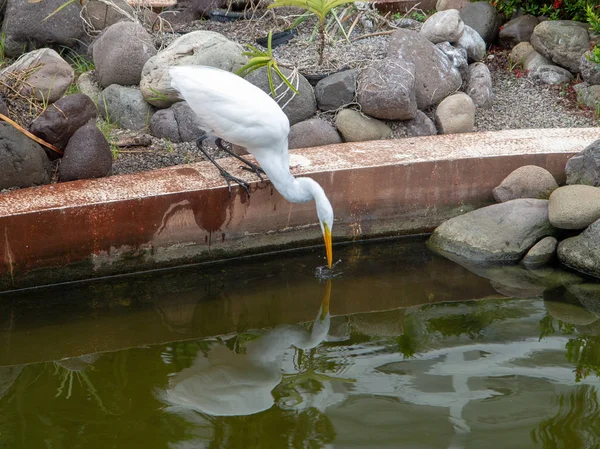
{"x": 235, "y": 110}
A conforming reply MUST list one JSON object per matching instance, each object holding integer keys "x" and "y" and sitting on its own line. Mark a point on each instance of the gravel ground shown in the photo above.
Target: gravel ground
{"x": 519, "y": 103}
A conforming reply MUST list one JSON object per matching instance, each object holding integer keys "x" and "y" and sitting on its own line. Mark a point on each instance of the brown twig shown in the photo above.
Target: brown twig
{"x": 31, "y": 136}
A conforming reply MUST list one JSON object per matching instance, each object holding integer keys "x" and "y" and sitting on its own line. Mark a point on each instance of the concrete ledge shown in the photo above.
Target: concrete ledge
{"x": 183, "y": 214}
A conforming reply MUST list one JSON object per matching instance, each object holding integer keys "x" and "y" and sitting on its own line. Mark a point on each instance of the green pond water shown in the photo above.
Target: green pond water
{"x": 404, "y": 349}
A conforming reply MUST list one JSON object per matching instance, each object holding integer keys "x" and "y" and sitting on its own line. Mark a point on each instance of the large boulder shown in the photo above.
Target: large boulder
{"x": 386, "y": 89}
{"x": 195, "y": 48}
{"x": 455, "y": 114}
{"x": 356, "y": 127}
{"x": 443, "y": 26}
{"x": 590, "y": 70}
{"x": 297, "y": 108}
{"x": 499, "y": 233}
{"x": 518, "y": 30}
{"x": 26, "y": 25}
{"x": 125, "y": 107}
{"x": 561, "y": 41}
{"x": 479, "y": 85}
{"x": 312, "y": 133}
{"x": 574, "y": 207}
{"x": 529, "y": 181}
{"x": 50, "y": 74}
{"x": 473, "y": 43}
{"x": 120, "y": 54}
{"x": 23, "y": 163}
{"x": 59, "y": 121}
{"x": 435, "y": 76}
{"x": 337, "y": 90}
{"x": 87, "y": 155}
{"x": 483, "y": 18}
{"x": 582, "y": 252}
{"x": 163, "y": 125}
{"x": 584, "y": 167}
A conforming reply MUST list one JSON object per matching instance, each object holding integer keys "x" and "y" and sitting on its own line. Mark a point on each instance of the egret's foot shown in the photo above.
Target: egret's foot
{"x": 250, "y": 166}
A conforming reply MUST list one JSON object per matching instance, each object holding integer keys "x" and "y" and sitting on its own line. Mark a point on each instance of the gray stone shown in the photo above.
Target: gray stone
{"x": 582, "y": 252}
{"x": 483, "y": 18}
{"x": 386, "y": 89}
{"x": 88, "y": 85}
{"x": 457, "y": 55}
{"x": 125, "y": 106}
{"x": 479, "y": 85}
{"x": 443, "y": 5}
{"x": 588, "y": 95}
{"x": 435, "y": 76}
{"x": 47, "y": 83}
{"x": 518, "y": 30}
{"x": 3, "y": 107}
{"x": 120, "y": 54}
{"x": 443, "y": 26}
{"x": 23, "y": 163}
{"x": 473, "y": 43}
{"x": 164, "y": 125}
{"x": 419, "y": 126}
{"x": 574, "y": 207}
{"x": 455, "y": 114}
{"x": 301, "y": 107}
{"x": 356, "y": 127}
{"x": 541, "y": 253}
{"x": 590, "y": 71}
{"x": 60, "y": 120}
{"x": 313, "y": 133}
{"x": 87, "y": 155}
{"x": 409, "y": 24}
{"x": 529, "y": 181}
{"x": 584, "y": 167}
{"x": 25, "y": 26}
{"x": 188, "y": 122}
{"x": 519, "y": 54}
{"x": 534, "y": 61}
{"x": 499, "y": 233}
{"x": 561, "y": 41}
{"x": 336, "y": 90}
{"x": 551, "y": 74}
{"x": 587, "y": 294}
{"x": 101, "y": 15}
{"x": 195, "y": 48}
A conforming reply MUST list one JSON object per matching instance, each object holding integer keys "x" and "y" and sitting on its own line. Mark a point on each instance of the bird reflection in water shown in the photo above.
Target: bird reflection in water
{"x": 224, "y": 383}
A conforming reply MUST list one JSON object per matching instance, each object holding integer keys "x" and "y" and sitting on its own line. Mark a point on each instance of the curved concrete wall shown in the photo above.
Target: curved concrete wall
{"x": 183, "y": 214}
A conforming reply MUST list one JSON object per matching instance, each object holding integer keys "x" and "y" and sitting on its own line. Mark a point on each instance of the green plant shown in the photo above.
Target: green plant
{"x": 158, "y": 96}
{"x": 320, "y": 8}
{"x": 260, "y": 59}
{"x": 106, "y": 127}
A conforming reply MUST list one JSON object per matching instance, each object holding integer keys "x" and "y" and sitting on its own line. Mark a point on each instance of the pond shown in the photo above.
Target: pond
{"x": 404, "y": 349}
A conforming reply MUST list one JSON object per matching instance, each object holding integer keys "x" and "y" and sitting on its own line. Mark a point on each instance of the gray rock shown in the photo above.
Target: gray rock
{"x": 356, "y": 127}
{"x": 561, "y": 41}
{"x": 590, "y": 71}
{"x": 457, "y": 55}
{"x": 50, "y": 81}
{"x": 188, "y": 122}
{"x": 101, "y": 15}
{"x": 479, "y": 85}
{"x": 473, "y": 43}
{"x": 518, "y": 30}
{"x": 408, "y": 24}
{"x": 443, "y": 5}
{"x": 534, "y": 61}
{"x": 551, "y": 74}
{"x": 25, "y": 28}
{"x": 87, "y": 84}
{"x": 195, "y": 48}
{"x": 3, "y": 107}
{"x": 312, "y": 133}
{"x": 499, "y": 233}
{"x": 483, "y": 18}
{"x": 443, "y": 26}
{"x": 588, "y": 95}
{"x": 164, "y": 125}
{"x": 587, "y": 294}
{"x": 584, "y": 167}
{"x": 529, "y": 181}
{"x": 60, "y": 120}
{"x": 435, "y": 76}
{"x": 23, "y": 163}
{"x": 541, "y": 253}
{"x": 120, "y": 54}
{"x": 386, "y": 89}
{"x": 419, "y": 126}
{"x": 519, "y": 54}
{"x": 455, "y": 114}
{"x": 582, "y": 252}
{"x": 336, "y": 90}
{"x": 574, "y": 207}
{"x": 125, "y": 106}
{"x": 301, "y": 107}
{"x": 87, "y": 155}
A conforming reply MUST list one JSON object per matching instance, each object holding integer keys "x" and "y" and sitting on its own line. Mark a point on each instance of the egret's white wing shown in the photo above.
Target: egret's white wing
{"x": 230, "y": 106}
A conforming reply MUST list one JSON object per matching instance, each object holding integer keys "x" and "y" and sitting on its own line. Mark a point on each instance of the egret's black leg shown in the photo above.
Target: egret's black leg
{"x": 228, "y": 176}
{"x": 250, "y": 165}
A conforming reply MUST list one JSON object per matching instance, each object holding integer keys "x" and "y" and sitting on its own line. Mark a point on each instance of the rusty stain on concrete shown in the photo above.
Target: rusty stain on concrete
{"x": 183, "y": 214}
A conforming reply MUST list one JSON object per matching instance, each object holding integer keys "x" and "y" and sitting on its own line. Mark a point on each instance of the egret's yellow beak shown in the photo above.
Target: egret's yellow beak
{"x": 327, "y": 237}
{"x": 325, "y": 301}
